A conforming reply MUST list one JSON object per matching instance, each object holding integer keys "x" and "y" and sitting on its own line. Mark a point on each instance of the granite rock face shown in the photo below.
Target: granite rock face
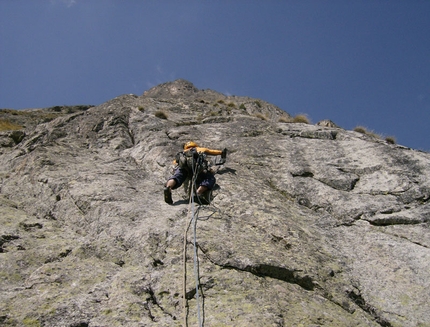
{"x": 310, "y": 225}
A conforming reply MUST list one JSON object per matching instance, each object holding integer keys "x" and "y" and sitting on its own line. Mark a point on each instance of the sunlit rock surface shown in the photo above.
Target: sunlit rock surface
{"x": 310, "y": 225}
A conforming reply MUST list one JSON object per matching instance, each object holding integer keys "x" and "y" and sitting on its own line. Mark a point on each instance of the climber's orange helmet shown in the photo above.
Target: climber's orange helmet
{"x": 190, "y": 144}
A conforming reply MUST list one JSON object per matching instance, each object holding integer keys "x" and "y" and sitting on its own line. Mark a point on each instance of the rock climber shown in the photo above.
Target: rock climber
{"x": 205, "y": 179}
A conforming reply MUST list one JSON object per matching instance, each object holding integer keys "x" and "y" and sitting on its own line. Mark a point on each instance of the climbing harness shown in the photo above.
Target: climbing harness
{"x": 190, "y": 160}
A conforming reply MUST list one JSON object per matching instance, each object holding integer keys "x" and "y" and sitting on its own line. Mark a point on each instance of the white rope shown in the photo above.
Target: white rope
{"x": 184, "y": 281}
{"x": 196, "y": 268}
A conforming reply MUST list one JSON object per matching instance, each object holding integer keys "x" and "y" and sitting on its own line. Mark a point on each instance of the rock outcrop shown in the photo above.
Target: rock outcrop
{"x": 310, "y": 225}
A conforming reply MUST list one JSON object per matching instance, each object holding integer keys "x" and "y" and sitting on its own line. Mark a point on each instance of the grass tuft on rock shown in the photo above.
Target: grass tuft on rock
{"x": 390, "y": 139}
{"x": 360, "y": 129}
{"x": 365, "y": 131}
{"x": 285, "y": 119}
{"x": 261, "y": 116}
{"x": 160, "y": 114}
{"x": 302, "y": 118}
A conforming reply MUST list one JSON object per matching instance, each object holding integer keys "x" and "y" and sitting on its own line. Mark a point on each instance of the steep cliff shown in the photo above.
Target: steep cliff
{"x": 309, "y": 225}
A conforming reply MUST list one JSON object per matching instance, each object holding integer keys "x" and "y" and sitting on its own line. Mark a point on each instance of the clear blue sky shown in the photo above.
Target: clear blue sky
{"x": 357, "y": 62}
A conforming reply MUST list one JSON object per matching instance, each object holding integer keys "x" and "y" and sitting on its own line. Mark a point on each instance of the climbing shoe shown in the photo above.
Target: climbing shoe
{"x": 168, "y": 195}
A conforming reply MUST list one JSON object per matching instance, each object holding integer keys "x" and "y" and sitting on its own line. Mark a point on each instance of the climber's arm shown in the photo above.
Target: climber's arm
{"x": 209, "y": 151}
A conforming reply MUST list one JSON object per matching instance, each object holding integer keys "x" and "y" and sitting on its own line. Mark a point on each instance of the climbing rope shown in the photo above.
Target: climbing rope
{"x": 184, "y": 282}
{"x": 197, "y": 168}
{"x": 196, "y": 268}
{"x": 194, "y": 217}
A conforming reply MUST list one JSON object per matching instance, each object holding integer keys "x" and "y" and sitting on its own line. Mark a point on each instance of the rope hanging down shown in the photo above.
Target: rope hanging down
{"x": 197, "y": 168}
{"x": 193, "y": 220}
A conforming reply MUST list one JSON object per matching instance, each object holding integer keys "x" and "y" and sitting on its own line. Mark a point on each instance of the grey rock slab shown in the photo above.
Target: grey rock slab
{"x": 309, "y": 225}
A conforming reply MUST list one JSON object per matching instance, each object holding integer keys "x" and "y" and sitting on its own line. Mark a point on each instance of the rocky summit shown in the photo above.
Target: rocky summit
{"x": 309, "y": 225}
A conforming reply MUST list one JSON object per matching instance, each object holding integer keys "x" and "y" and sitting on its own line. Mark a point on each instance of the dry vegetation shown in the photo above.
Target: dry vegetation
{"x": 160, "y": 114}
{"x": 360, "y": 129}
{"x": 365, "y": 131}
{"x": 285, "y": 119}
{"x": 302, "y": 118}
{"x": 390, "y": 139}
{"x": 11, "y": 119}
{"x": 261, "y": 116}
{"x": 6, "y": 125}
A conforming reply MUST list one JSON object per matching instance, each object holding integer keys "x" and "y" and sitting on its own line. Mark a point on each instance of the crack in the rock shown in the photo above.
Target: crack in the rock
{"x": 358, "y": 299}
{"x": 348, "y": 185}
{"x": 394, "y": 221}
{"x": 6, "y": 239}
{"x": 423, "y": 199}
{"x": 28, "y": 227}
{"x": 354, "y": 183}
{"x": 405, "y": 238}
{"x": 152, "y": 299}
{"x": 60, "y": 257}
{"x": 318, "y": 134}
{"x": 202, "y": 287}
{"x": 303, "y": 174}
{"x": 281, "y": 273}
{"x": 276, "y": 272}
